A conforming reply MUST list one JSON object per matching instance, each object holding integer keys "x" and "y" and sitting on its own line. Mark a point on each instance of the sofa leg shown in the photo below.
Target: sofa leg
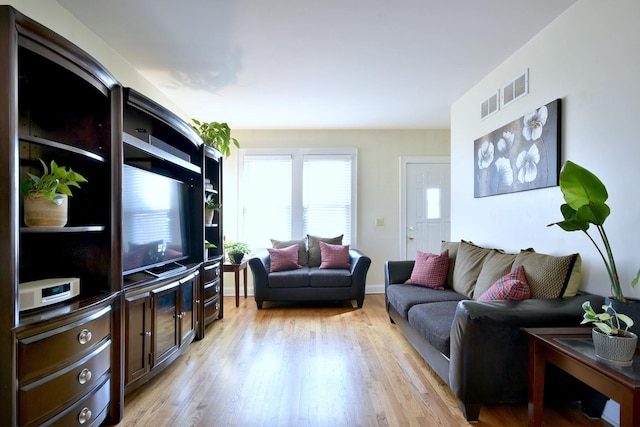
{"x": 470, "y": 412}
{"x": 259, "y": 304}
{"x": 360, "y": 302}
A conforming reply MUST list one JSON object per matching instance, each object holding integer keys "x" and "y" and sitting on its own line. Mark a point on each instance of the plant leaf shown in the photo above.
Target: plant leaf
{"x": 580, "y": 186}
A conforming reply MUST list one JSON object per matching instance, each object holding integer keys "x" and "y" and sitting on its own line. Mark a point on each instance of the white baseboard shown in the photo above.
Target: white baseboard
{"x": 611, "y": 413}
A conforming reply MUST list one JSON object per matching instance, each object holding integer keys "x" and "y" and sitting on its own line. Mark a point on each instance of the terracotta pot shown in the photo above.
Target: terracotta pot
{"x": 42, "y": 212}
{"x": 617, "y": 350}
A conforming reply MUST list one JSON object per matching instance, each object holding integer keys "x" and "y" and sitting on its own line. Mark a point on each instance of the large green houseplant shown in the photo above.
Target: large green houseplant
{"x": 585, "y": 196}
{"x": 217, "y": 135}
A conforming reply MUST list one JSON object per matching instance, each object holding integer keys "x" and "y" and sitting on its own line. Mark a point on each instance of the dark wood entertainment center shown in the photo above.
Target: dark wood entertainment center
{"x": 72, "y": 362}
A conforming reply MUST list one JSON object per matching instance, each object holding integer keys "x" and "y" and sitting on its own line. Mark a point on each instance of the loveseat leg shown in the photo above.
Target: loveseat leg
{"x": 259, "y": 304}
{"x": 360, "y": 302}
{"x": 470, "y": 412}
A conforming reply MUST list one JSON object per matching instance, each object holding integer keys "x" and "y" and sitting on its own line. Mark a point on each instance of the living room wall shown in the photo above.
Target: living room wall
{"x": 378, "y": 183}
{"x": 588, "y": 57}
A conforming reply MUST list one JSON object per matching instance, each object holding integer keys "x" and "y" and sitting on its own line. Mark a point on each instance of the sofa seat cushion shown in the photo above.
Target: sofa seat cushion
{"x": 298, "y": 278}
{"x": 433, "y": 322}
{"x": 403, "y": 297}
{"x": 329, "y": 278}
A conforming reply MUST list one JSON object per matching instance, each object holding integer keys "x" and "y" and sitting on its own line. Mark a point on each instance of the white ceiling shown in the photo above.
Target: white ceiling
{"x": 327, "y": 64}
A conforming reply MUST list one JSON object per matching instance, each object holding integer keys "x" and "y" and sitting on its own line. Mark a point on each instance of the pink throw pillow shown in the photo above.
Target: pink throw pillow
{"x": 513, "y": 286}
{"x": 284, "y": 259}
{"x": 334, "y": 256}
{"x": 430, "y": 270}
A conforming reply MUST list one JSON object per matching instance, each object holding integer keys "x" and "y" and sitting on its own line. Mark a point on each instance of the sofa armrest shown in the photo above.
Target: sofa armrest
{"x": 489, "y": 351}
{"x": 397, "y": 272}
{"x": 260, "y": 265}
{"x": 359, "y": 267}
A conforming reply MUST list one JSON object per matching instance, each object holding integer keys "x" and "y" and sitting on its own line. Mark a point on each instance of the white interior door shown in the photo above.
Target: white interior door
{"x": 426, "y": 205}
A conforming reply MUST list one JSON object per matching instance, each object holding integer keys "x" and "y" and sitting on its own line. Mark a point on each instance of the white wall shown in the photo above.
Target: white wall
{"x": 379, "y": 153}
{"x": 53, "y": 16}
{"x": 590, "y": 58}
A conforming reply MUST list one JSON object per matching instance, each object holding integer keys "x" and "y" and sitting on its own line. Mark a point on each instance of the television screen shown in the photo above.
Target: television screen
{"x": 154, "y": 227}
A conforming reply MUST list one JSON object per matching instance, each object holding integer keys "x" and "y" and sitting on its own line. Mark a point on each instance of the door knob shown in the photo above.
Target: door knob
{"x": 411, "y": 237}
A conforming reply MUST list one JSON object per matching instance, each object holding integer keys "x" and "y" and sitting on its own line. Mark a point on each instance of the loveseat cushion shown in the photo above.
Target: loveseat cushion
{"x": 403, "y": 297}
{"x": 433, "y": 322}
{"x": 290, "y": 278}
{"x": 302, "y": 248}
{"x": 329, "y": 278}
{"x": 314, "y": 247}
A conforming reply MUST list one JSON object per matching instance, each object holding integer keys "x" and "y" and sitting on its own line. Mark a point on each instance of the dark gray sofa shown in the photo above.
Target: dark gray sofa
{"x": 478, "y": 347}
{"x": 310, "y": 283}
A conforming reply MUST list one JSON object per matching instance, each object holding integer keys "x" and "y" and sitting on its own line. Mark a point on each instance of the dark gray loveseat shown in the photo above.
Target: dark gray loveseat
{"x": 478, "y": 347}
{"x": 310, "y": 283}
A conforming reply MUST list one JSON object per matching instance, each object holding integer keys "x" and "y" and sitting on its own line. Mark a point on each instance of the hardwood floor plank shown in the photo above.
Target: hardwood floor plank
{"x": 309, "y": 365}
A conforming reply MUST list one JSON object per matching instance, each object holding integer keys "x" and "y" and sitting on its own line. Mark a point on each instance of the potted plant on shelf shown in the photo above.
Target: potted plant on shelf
{"x": 217, "y": 135}
{"x": 585, "y": 196}
{"x": 208, "y": 245}
{"x": 236, "y": 251}
{"x": 611, "y": 343}
{"x": 210, "y": 207}
{"x": 46, "y": 196}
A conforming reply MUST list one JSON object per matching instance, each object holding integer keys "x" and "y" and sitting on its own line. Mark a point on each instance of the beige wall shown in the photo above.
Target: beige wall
{"x": 379, "y": 153}
{"x": 589, "y": 58}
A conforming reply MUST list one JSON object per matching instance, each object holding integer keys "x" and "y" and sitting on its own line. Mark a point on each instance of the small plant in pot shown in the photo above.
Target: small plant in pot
{"x": 45, "y": 196}
{"x": 236, "y": 251}
{"x": 208, "y": 246}
{"x": 217, "y": 135}
{"x": 611, "y": 343}
{"x": 210, "y": 207}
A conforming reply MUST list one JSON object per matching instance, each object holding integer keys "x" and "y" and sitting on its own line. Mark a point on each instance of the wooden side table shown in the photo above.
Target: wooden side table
{"x": 571, "y": 349}
{"x": 237, "y": 268}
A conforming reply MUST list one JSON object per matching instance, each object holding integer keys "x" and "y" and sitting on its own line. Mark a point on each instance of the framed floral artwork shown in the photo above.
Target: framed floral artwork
{"x": 522, "y": 155}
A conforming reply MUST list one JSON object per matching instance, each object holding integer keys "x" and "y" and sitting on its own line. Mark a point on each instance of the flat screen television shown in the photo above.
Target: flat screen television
{"x": 155, "y": 231}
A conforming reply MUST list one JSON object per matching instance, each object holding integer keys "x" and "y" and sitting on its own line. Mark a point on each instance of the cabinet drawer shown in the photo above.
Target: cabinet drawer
{"x": 89, "y": 411}
{"x": 69, "y": 341}
{"x": 211, "y": 310}
{"x": 53, "y": 392}
{"x": 212, "y": 290}
{"x": 211, "y": 272}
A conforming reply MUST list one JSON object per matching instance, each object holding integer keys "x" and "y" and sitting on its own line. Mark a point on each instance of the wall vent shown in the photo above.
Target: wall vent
{"x": 516, "y": 89}
{"x": 489, "y": 106}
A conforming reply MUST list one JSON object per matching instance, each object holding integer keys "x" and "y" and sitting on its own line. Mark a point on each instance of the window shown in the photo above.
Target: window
{"x": 289, "y": 194}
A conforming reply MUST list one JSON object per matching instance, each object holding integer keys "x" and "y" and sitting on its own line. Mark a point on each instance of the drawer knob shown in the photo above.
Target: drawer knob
{"x": 217, "y": 306}
{"x": 85, "y": 336}
{"x": 85, "y": 376}
{"x": 146, "y": 334}
{"x": 218, "y": 289}
{"x": 217, "y": 271}
{"x": 84, "y": 416}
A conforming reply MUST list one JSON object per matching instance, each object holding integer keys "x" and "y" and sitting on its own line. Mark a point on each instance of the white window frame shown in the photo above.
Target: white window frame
{"x": 297, "y": 156}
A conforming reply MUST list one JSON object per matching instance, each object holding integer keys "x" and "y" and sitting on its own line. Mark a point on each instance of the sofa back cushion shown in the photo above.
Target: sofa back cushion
{"x": 496, "y": 265}
{"x": 430, "y": 270}
{"x": 548, "y": 275}
{"x": 302, "y": 248}
{"x": 469, "y": 262}
{"x": 452, "y": 247}
{"x": 314, "y": 248}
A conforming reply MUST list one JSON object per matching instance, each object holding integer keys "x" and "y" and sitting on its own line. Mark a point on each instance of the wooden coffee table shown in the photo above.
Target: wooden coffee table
{"x": 571, "y": 349}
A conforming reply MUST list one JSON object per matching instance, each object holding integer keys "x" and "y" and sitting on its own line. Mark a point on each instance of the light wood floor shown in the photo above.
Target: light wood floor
{"x": 314, "y": 365}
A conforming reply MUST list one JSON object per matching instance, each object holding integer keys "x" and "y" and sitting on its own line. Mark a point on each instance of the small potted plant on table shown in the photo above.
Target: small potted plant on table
{"x": 611, "y": 343}
{"x": 236, "y": 251}
{"x": 45, "y": 196}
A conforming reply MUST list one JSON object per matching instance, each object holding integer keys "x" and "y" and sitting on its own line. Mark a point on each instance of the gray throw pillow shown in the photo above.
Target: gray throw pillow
{"x": 314, "y": 247}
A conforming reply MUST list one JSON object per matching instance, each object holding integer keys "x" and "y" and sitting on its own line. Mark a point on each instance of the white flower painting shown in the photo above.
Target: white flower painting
{"x": 522, "y": 155}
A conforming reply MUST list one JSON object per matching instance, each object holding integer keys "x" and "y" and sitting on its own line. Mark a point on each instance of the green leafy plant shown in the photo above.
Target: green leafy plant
{"x": 210, "y": 203}
{"x": 209, "y": 245}
{"x": 217, "y": 135}
{"x": 585, "y": 196}
{"x": 237, "y": 248}
{"x": 607, "y": 322}
{"x": 54, "y": 181}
